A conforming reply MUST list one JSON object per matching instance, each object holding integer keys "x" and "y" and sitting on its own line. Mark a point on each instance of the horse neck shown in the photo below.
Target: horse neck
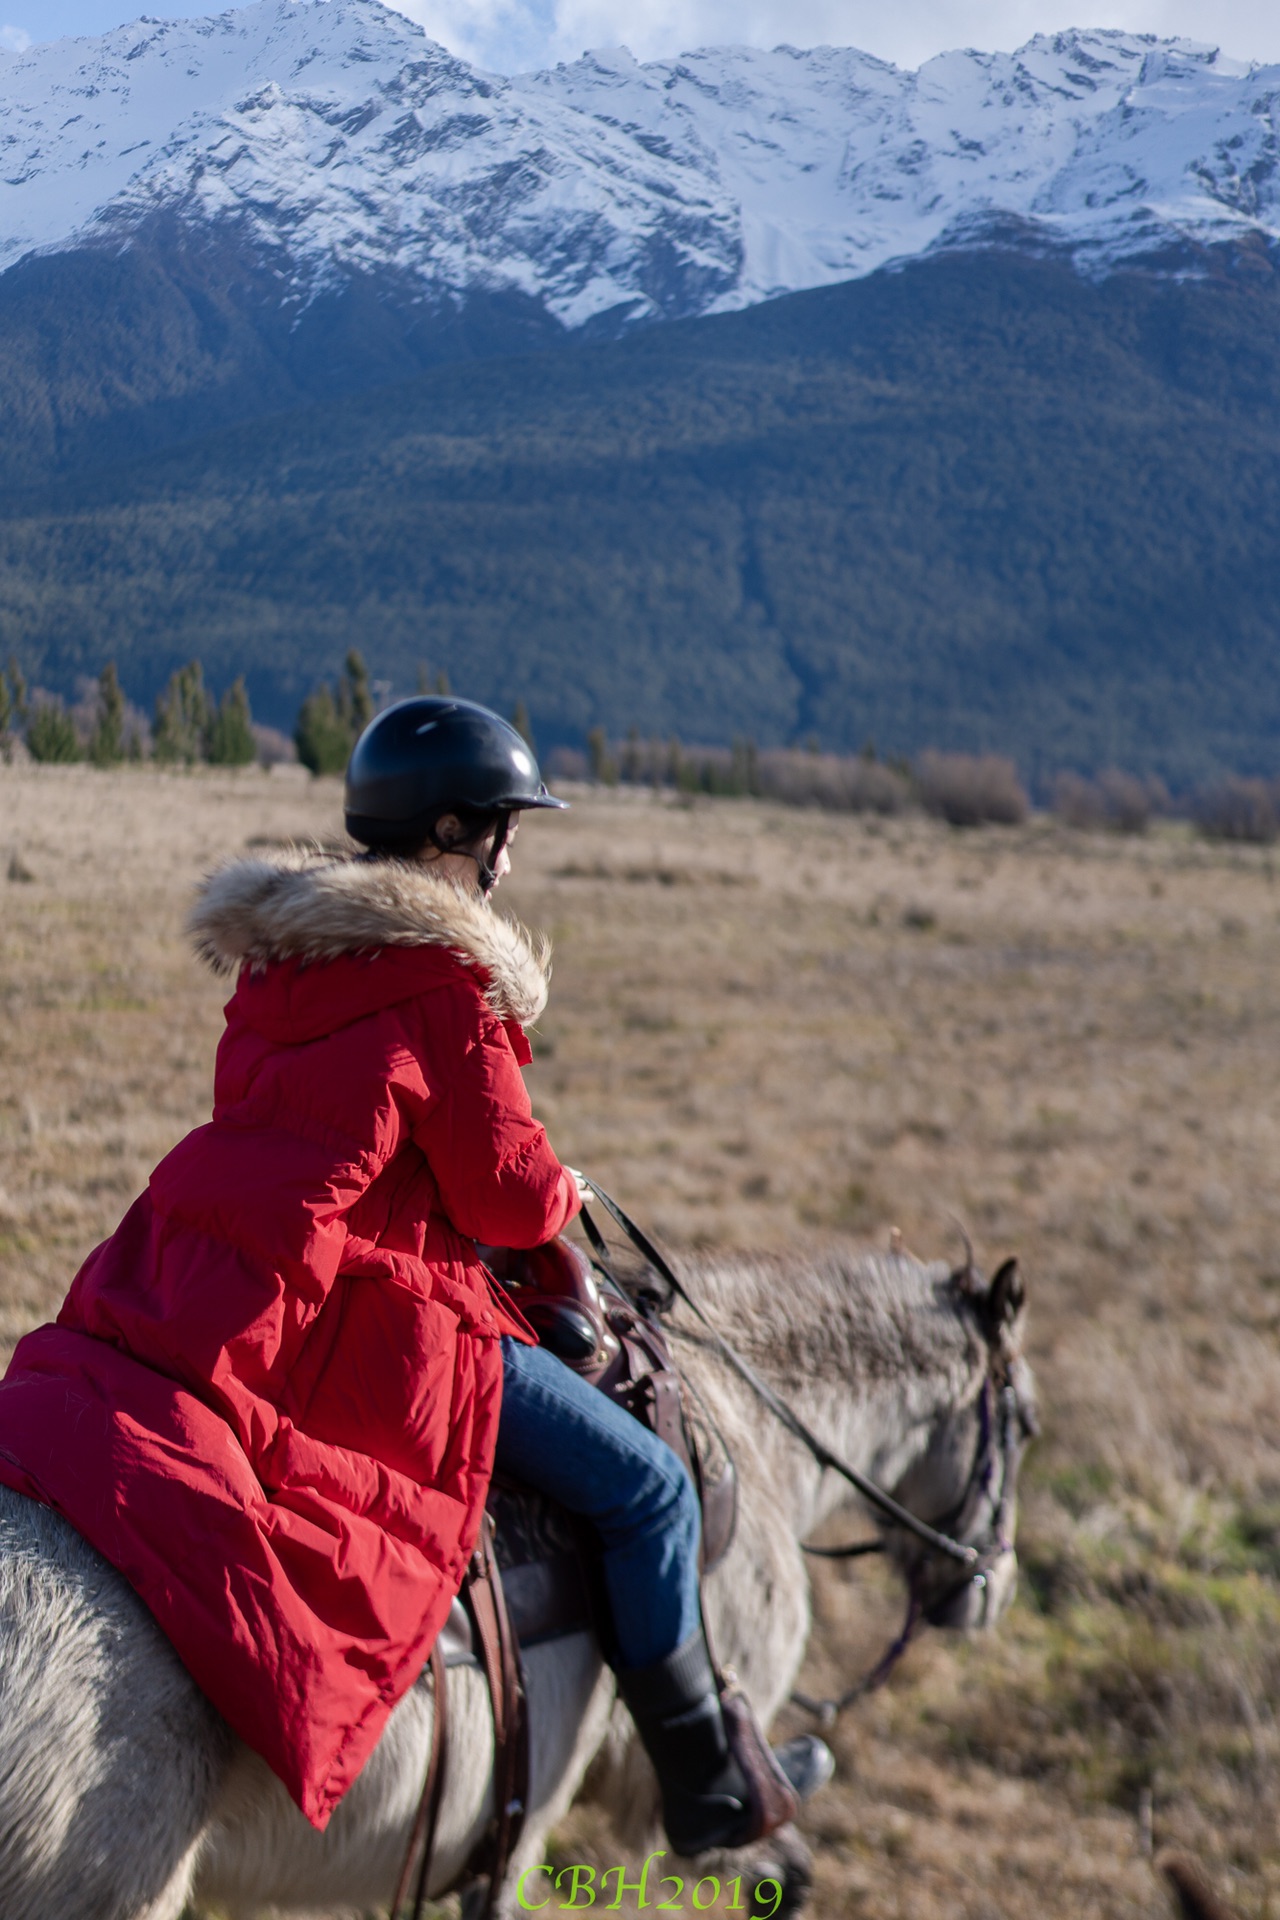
{"x": 871, "y": 1352}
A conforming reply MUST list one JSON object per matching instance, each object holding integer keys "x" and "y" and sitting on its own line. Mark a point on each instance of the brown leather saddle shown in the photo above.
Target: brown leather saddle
{"x": 616, "y": 1342}
{"x": 533, "y": 1576}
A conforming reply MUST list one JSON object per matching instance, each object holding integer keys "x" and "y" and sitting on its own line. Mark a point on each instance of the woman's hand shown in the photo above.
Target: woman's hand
{"x": 585, "y": 1189}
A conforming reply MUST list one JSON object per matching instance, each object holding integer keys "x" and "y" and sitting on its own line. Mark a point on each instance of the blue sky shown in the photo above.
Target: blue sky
{"x": 509, "y": 35}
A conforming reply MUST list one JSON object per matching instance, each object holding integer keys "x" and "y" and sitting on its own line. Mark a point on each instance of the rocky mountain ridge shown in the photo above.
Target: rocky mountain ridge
{"x": 330, "y": 141}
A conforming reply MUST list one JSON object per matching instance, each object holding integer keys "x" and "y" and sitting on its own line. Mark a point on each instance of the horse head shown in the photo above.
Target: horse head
{"x": 965, "y": 1482}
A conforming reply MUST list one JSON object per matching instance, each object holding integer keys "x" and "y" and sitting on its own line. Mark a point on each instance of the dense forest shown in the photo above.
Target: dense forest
{"x": 981, "y": 503}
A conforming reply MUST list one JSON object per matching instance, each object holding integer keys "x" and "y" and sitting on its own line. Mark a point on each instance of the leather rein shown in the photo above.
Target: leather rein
{"x": 1000, "y": 1446}
{"x": 875, "y": 1496}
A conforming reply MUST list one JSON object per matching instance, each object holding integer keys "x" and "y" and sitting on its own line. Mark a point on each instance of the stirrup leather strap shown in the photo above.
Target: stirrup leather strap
{"x": 423, "y": 1833}
{"x": 500, "y": 1653}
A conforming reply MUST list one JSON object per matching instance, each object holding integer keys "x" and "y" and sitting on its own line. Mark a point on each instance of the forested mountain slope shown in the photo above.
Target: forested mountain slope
{"x": 982, "y": 502}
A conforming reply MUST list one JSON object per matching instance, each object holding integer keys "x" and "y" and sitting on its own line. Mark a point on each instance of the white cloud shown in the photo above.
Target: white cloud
{"x": 14, "y": 39}
{"x": 511, "y": 35}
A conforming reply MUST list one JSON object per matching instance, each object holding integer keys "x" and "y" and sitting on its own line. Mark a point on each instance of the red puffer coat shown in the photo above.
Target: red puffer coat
{"x": 271, "y": 1398}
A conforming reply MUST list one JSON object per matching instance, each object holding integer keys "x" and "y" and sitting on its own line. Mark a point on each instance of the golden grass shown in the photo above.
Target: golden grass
{"x": 768, "y": 1024}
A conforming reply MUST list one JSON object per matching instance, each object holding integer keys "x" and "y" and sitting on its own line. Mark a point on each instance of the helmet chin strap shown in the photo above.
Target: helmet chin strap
{"x": 487, "y": 868}
{"x": 486, "y": 864}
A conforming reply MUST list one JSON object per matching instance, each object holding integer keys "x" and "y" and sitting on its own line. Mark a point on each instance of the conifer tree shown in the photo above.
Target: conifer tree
{"x": 604, "y": 767}
{"x": 51, "y": 733}
{"x": 321, "y": 735}
{"x": 330, "y": 722}
{"x": 13, "y": 706}
{"x": 524, "y": 726}
{"x": 106, "y": 743}
{"x": 231, "y": 742}
{"x": 184, "y": 715}
{"x": 355, "y": 695}
{"x": 739, "y": 768}
{"x": 18, "y": 690}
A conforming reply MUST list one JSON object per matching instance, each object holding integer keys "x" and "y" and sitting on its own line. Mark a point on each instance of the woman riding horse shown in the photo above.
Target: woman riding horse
{"x": 275, "y": 1397}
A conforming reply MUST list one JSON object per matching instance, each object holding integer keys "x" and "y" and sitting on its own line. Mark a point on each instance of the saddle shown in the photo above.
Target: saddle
{"x": 618, "y": 1343}
{"x": 533, "y": 1576}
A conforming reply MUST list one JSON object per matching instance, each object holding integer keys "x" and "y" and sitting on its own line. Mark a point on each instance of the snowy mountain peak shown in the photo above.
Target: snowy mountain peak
{"x": 335, "y": 139}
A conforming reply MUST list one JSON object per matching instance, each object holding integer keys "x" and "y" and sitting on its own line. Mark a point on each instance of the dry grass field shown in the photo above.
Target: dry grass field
{"x": 768, "y": 1025}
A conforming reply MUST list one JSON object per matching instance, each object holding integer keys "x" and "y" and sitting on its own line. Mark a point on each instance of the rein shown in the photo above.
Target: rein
{"x": 999, "y": 1449}
{"x": 876, "y": 1496}
{"x": 827, "y": 1712}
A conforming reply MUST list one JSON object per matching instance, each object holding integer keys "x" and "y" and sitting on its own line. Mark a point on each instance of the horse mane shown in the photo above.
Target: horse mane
{"x": 854, "y": 1319}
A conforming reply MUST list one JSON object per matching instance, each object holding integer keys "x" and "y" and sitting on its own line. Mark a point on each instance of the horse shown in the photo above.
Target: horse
{"x": 124, "y": 1796}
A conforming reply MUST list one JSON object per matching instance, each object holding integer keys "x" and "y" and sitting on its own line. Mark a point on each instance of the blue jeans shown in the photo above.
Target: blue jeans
{"x": 575, "y": 1444}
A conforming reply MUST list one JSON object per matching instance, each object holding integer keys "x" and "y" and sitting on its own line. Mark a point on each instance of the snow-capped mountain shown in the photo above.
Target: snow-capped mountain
{"x": 331, "y": 138}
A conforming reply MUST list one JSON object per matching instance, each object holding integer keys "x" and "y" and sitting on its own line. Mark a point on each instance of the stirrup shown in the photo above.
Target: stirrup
{"x": 772, "y": 1799}
{"x": 808, "y": 1763}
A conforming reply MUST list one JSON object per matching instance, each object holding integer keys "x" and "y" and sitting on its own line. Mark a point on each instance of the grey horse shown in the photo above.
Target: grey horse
{"x": 123, "y": 1796}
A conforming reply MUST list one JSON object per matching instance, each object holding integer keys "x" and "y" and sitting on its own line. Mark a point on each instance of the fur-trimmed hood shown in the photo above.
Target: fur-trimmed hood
{"x": 298, "y": 905}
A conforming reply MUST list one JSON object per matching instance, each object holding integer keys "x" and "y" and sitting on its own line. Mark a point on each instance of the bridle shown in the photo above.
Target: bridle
{"x": 1005, "y": 1427}
{"x": 1004, "y": 1430}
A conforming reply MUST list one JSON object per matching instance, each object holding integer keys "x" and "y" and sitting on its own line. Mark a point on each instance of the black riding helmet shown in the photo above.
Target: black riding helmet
{"x": 430, "y": 756}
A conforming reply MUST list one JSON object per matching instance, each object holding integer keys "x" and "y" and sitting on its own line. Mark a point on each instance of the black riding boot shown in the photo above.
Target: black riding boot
{"x": 722, "y": 1784}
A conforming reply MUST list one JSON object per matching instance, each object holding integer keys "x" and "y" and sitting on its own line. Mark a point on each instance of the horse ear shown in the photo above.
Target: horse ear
{"x": 1006, "y": 1297}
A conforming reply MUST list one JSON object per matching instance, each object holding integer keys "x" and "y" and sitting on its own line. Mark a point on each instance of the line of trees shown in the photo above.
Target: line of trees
{"x": 961, "y": 788}
{"x": 333, "y": 716}
{"x": 965, "y": 789}
{"x": 190, "y": 726}
{"x": 106, "y": 729}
